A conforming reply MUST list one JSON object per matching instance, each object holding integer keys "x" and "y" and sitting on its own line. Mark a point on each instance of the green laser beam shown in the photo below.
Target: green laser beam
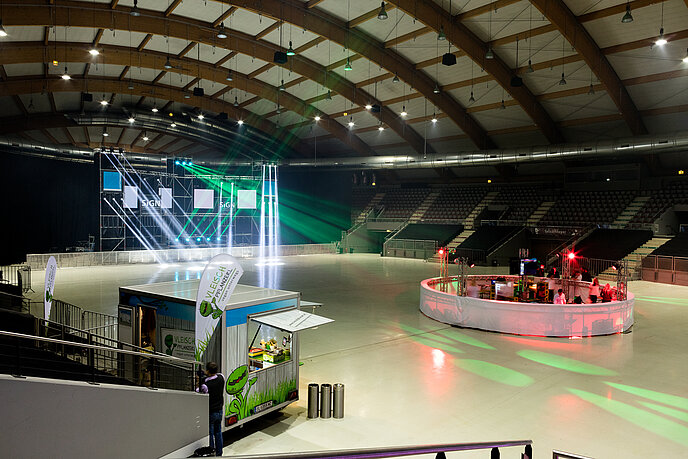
{"x": 644, "y": 419}
{"x": 667, "y": 399}
{"x": 564, "y": 363}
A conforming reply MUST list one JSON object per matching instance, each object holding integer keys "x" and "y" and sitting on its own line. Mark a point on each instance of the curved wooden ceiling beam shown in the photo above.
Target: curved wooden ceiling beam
{"x": 81, "y": 14}
{"x": 28, "y": 52}
{"x": 336, "y": 30}
{"x": 433, "y": 15}
{"x": 28, "y": 85}
{"x": 561, "y": 16}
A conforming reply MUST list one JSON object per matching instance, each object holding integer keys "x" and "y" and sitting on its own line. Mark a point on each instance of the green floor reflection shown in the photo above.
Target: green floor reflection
{"x": 494, "y": 372}
{"x": 644, "y": 419}
{"x": 667, "y": 399}
{"x": 465, "y": 339}
{"x": 564, "y": 363}
{"x": 680, "y": 415}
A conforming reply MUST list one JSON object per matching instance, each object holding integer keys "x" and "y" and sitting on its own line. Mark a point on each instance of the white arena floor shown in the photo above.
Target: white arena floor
{"x": 411, "y": 380}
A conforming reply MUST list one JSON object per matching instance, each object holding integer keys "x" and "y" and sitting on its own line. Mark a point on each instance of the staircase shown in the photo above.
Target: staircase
{"x": 635, "y": 258}
{"x": 423, "y": 207}
{"x": 371, "y": 205}
{"x": 540, "y": 212}
{"x": 469, "y": 222}
{"x": 465, "y": 234}
{"x": 629, "y": 212}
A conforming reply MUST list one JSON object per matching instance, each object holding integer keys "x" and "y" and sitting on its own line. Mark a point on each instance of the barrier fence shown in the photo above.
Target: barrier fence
{"x": 410, "y": 248}
{"x": 665, "y": 269}
{"x": 17, "y": 275}
{"x": 78, "y": 259}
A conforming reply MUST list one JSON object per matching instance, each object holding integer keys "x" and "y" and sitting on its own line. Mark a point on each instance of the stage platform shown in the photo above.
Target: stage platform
{"x": 439, "y": 301}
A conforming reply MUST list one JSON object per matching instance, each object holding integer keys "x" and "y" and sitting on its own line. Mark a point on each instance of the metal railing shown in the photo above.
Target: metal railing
{"x": 395, "y": 451}
{"x": 665, "y": 269}
{"x": 562, "y": 455}
{"x": 60, "y": 352}
{"x": 17, "y": 275}
{"x": 73, "y": 316}
{"x": 410, "y": 248}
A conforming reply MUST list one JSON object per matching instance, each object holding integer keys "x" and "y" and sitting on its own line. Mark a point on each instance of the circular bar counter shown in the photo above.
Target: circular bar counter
{"x": 520, "y": 318}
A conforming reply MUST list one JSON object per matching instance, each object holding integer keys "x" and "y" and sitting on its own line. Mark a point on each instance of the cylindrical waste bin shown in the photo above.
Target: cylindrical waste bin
{"x": 338, "y": 401}
{"x": 326, "y": 401}
{"x": 313, "y": 390}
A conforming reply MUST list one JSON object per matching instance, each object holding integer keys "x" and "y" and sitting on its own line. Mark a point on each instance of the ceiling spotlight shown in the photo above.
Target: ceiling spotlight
{"x": 661, "y": 41}
{"x": 347, "y": 67}
{"x": 489, "y": 54}
{"x": 562, "y": 82}
{"x": 281, "y": 86}
{"x": 368, "y": 106}
{"x": 434, "y": 118}
{"x": 436, "y": 89}
{"x": 130, "y": 85}
{"x": 530, "y": 68}
{"x": 628, "y": 17}
{"x": 351, "y": 122}
{"x": 93, "y": 52}
{"x": 229, "y": 76}
{"x": 395, "y": 79}
{"x": 103, "y": 102}
{"x": 168, "y": 64}
{"x": 145, "y": 138}
{"x": 187, "y": 95}
{"x": 135, "y": 10}
{"x": 132, "y": 119}
{"x": 240, "y": 122}
{"x": 380, "y": 127}
{"x": 403, "y": 111}
{"x": 173, "y": 125}
{"x": 441, "y": 36}
{"x": 290, "y": 51}
{"x": 154, "y": 109}
{"x": 65, "y": 75}
{"x": 317, "y": 118}
{"x": 382, "y": 14}
{"x": 221, "y": 31}
{"x": 200, "y": 116}
{"x": 471, "y": 99}
{"x": 591, "y": 91}
{"x": 105, "y": 134}
{"x": 3, "y": 32}
{"x": 685, "y": 59}
{"x": 236, "y": 101}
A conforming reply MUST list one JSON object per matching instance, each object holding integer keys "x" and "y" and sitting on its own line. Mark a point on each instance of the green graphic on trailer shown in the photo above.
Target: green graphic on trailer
{"x": 235, "y": 386}
{"x": 170, "y": 344}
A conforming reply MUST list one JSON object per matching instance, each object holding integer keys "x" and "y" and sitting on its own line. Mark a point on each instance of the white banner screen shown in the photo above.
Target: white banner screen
{"x": 246, "y": 199}
{"x": 131, "y": 197}
{"x": 165, "y": 197}
{"x": 203, "y": 199}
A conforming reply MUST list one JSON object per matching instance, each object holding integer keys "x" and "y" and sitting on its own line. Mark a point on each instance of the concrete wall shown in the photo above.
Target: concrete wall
{"x": 49, "y": 418}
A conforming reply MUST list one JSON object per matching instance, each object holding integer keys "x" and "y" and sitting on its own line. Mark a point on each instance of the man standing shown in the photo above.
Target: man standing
{"x": 560, "y": 298}
{"x": 214, "y": 385}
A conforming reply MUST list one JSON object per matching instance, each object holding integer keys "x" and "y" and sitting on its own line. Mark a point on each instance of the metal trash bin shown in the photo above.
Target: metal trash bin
{"x": 326, "y": 401}
{"x": 338, "y": 401}
{"x": 313, "y": 390}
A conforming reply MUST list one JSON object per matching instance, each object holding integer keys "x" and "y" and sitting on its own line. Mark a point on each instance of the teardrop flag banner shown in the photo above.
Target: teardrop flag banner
{"x": 220, "y": 277}
{"x": 50, "y": 271}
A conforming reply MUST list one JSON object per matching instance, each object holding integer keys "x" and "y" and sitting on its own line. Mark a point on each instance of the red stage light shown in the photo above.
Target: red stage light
{"x": 572, "y": 255}
{"x": 441, "y": 251}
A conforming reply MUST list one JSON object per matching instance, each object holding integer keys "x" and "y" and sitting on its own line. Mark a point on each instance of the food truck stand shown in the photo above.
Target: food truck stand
{"x": 256, "y": 342}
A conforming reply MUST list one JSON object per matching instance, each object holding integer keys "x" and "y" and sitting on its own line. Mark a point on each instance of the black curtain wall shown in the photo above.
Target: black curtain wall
{"x": 46, "y": 205}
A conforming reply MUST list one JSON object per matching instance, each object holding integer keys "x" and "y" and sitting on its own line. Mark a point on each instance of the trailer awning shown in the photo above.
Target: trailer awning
{"x": 292, "y": 320}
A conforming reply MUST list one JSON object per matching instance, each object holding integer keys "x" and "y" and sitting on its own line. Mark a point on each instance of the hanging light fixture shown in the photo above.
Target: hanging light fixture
{"x": 130, "y": 85}
{"x": 3, "y": 32}
{"x": 591, "y": 91}
{"x": 628, "y": 17}
{"x": 351, "y": 122}
{"x": 471, "y": 99}
{"x": 434, "y": 118}
{"x": 240, "y": 122}
{"x": 489, "y": 54}
{"x": 441, "y": 35}
{"x": 347, "y": 67}
{"x": 131, "y": 119}
{"x": 236, "y": 101}
{"x": 382, "y": 14}
{"x": 685, "y": 59}
{"x": 380, "y": 127}
{"x": 661, "y": 41}
{"x": 436, "y": 89}
{"x": 290, "y": 51}
{"x": 168, "y": 64}
{"x": 145, "y": 138}
{"x": 105, "y": 133}
{"x": 328, "y": 96}
{"x": 562, "y": 82}
{"x": 65, "y": 75}
{"x": 530, "y": 68}
{"x": 93, "y": 52}
{"x": 135, "y": 10}
{"x": 173, "y": 125}
{"x": 395, "y": 79}
{"x": 403, "y": 111}
{"x": 103, "y": 102}
{"x": 229, "y": 76}
{"x": 200, "y": 116}
{"x": 154, "y": 109}
{"x": 221, "y": 32}
{"x": 187, "y": 95}
{"x": 502, "y": 106}
{"x": 368, "y": 106}
{"x": 281, "y": 86}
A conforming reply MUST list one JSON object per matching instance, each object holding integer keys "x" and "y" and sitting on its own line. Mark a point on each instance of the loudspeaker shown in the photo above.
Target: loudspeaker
{"x": 375, "y": 108}
{"x": 280, "y": 57}
{"x": 198, "y": 92}
{"x": 516, "y": 81}
{"x": 448, "y": 59}
{"x": 87, "y": 97}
